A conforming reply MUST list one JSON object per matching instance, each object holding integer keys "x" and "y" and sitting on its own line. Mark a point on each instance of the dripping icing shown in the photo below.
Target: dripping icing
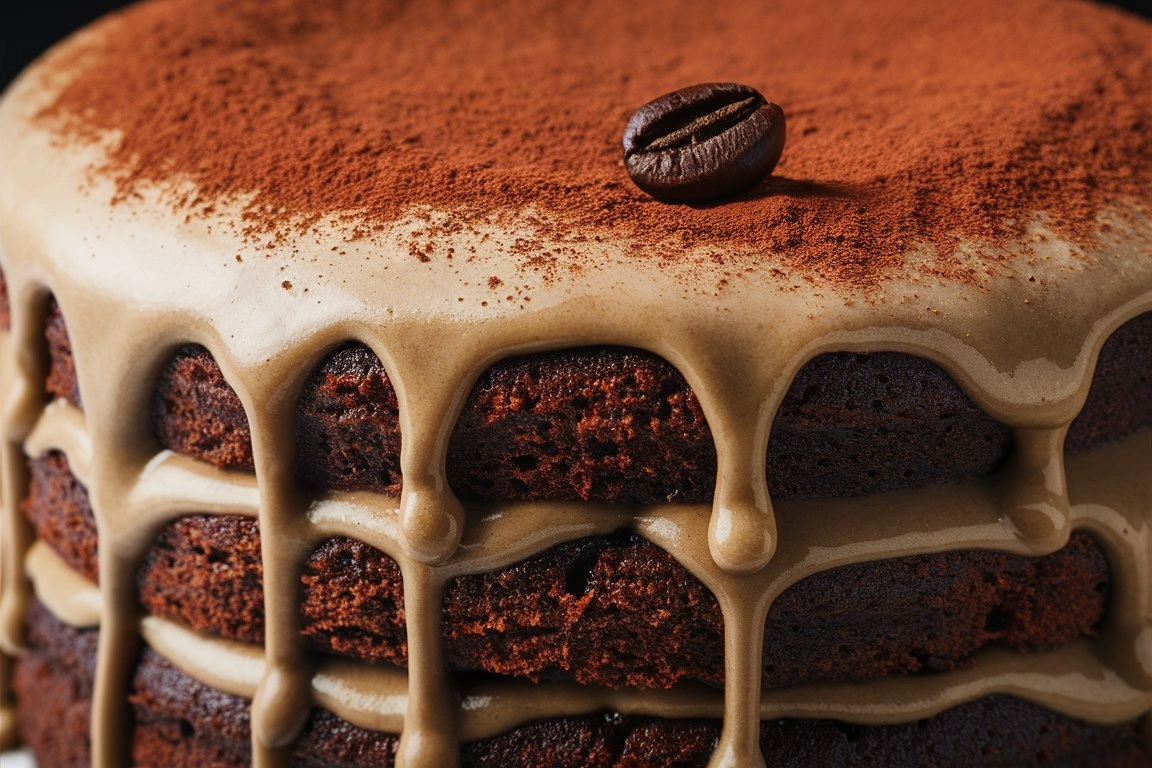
{"x": 149, "y": 291}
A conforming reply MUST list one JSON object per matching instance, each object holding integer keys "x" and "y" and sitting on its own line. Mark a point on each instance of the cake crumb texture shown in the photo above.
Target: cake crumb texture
{"x": 180, "y": 722}
{"x": 622, "y": 426}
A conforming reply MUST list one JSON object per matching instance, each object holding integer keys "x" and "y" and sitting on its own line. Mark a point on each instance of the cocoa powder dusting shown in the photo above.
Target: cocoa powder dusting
{"x": 909, "y": 124}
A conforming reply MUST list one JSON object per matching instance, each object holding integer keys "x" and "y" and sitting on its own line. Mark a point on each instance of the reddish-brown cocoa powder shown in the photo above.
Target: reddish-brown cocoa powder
{"x": 908, "y": 123}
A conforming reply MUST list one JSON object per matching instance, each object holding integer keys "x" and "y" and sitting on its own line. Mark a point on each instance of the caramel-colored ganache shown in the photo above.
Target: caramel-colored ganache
{"x": 198, "y": 208}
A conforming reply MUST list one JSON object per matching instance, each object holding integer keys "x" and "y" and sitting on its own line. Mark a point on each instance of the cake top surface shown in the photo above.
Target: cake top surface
{"x": 911, "y": 127}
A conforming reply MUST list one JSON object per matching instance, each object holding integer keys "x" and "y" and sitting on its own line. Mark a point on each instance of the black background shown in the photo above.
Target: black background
{"x": 28, "y": 27}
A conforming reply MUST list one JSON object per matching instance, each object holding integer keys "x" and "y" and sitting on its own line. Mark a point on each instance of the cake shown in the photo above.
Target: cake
{"x": 358, "y": 409}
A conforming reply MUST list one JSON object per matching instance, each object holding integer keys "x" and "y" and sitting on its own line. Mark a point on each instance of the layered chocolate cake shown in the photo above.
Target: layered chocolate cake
{"x": 359, "y": 409}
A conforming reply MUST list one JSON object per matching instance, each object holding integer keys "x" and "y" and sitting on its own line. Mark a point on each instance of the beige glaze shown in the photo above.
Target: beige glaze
{"x": 136, "y": 281}
{"x": 374, "y": 696}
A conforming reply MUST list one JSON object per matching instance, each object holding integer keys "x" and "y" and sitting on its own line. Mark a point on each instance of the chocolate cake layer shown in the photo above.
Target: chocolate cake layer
{"x": 587, "y": 610}
{"x": 202, "y": 415}
{"x": 607, "y": 424}
{"x": 619, "y": 611}
{"x": 1120, "y": 399}
{"x": 5, "y": 304}
{"x": 617, "y": 425}
{"x": 58, "y": 507}
{"x": 61, "y": 380}
{"x": 623, "y": 611}
{"x": 58, "y": 675}
{"x": 181, "y": 722}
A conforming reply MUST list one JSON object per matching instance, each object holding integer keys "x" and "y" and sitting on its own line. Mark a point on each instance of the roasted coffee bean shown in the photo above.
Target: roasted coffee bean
{"x": 703, "y": 142}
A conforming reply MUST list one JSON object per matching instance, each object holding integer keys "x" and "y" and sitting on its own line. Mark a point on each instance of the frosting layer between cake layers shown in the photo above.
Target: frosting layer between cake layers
{"x": 1017, "y": 323}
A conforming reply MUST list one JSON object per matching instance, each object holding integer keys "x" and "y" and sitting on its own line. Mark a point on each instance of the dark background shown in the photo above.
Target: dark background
{"x": 28, "y": 27}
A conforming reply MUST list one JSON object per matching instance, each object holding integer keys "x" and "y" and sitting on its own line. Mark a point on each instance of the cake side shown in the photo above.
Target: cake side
{"x": 213, "y": 730}
{"x": 196, "y": 549}
{"x": 1012, "y": 297}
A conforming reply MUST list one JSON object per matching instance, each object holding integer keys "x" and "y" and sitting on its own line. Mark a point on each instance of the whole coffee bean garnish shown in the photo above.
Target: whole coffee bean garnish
{"x": 703, "y": 142}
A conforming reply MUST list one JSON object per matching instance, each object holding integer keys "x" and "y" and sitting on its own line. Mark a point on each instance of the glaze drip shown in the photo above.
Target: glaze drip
{"x": 1079, "y": 679}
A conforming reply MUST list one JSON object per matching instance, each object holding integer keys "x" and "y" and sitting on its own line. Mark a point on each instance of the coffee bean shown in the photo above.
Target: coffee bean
{"x": 703, "y": 142}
